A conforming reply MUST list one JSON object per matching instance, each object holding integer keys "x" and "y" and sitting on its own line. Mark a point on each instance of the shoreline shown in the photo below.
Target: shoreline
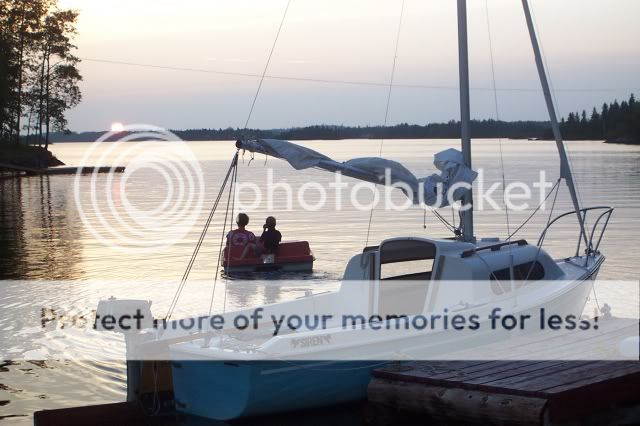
{"x": 28, "y": 156}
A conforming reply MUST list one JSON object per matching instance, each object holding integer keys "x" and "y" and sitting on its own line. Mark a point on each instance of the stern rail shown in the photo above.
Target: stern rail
{"x": 590, "y": 250}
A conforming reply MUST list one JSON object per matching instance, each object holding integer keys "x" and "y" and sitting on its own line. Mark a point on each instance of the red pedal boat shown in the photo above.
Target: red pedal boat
{"x": 292, "y": 256}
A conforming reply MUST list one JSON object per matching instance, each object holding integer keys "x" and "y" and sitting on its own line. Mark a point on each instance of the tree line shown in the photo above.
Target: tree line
{"x": 614, "y": 122}
{"x": 449, "y": 130}
{"x": 38, "y": 71}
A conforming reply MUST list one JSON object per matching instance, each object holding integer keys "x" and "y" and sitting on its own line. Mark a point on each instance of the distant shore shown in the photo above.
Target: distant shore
{"x": 623, "y": 141}
{"x": 449, "y": 130}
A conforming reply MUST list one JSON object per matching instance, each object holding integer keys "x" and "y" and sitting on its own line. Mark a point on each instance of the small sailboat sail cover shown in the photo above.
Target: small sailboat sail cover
{"x": 438, "y": 190}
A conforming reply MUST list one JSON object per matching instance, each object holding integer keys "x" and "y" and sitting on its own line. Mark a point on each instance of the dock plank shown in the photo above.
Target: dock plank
{"x": 550, "y": 373}
{"x": 511, "y": 370}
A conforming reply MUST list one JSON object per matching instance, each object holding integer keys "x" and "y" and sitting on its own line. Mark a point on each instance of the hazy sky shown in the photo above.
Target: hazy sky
{"x": 592, "y": 48}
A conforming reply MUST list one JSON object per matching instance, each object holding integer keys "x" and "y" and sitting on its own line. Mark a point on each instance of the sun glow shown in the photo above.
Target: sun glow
{"x": 117, "y": 127}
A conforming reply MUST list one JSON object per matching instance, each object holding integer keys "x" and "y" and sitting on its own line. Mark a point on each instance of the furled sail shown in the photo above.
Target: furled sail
{"x": 437, "y": 190}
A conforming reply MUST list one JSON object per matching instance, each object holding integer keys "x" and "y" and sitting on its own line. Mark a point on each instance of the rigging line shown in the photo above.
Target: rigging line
{"x": 557, "y": 106}
{"x": 495, "y": 100}
{"x": 233, "y": 207}
{"x": 536, "y": 209}
{"x": 453, "y": 216}
{"x": 196, "y": 250}
{"x": 198, "y": 246}
{"x": 553, "y": 205}
{"x": 386, "y": 112}
{"x": 224, "y": 228}
{"x": 195, "y": 253}
{"x": 266, "y": 66}
{"x": 346, "y": 82}
{"x": 440, "y": 218}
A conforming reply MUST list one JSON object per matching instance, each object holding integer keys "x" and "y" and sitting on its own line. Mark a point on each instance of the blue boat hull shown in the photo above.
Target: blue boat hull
{"x": 228, "y": 390}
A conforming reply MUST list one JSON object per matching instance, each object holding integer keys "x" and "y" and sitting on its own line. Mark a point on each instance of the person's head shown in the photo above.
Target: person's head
{"x": 242, "y": 220}
{"x": 270, "y": 223}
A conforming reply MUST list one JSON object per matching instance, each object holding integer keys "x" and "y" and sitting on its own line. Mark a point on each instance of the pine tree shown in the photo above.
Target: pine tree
{"x": 605, "y": 118}
{"x": 595, "y": 124}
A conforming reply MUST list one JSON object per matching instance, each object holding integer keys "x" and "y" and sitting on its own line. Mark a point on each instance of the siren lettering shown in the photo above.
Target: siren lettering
{"x": 305, "y": 342}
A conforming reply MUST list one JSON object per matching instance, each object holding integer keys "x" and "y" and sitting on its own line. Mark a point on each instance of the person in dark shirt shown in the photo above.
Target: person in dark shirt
{"x": 271, "y": 237}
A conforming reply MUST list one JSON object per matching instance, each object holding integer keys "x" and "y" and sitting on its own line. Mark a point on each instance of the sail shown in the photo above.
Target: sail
{"x": 298, "y": 156}
{"x": 437, "y": 190}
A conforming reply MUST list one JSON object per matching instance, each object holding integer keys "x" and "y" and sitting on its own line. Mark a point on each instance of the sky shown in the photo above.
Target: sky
{"x": 591, "y": 48}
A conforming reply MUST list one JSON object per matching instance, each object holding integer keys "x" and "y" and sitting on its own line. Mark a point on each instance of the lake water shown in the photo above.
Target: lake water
{"x": 43, "y": 237}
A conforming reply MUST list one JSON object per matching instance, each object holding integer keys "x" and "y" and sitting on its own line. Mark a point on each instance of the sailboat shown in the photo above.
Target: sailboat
{"x": 217, "y": 375}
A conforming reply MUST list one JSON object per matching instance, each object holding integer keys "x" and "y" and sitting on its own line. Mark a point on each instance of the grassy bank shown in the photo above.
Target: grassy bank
{"x": 28, "y": 156}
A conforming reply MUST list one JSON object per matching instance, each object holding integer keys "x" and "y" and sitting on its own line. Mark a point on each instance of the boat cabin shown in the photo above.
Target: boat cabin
{"x": 426, "y": 259}
{"x": 407, "y": 274}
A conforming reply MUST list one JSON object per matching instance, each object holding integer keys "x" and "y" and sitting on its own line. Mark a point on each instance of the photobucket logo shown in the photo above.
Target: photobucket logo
{"x": 153, "y": 203}
{"x": 364, "y": 196}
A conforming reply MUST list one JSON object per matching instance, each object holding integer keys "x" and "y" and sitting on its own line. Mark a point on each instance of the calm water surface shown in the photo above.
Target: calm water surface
{"x": 42, "y": 237}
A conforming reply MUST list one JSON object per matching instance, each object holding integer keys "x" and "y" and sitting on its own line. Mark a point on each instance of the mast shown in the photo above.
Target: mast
{"x": 565, "y": 169}
{"x": 463, "y": 67}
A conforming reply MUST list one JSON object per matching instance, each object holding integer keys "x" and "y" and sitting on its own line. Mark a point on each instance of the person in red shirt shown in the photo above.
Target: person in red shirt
{"x": 240, "y": 237}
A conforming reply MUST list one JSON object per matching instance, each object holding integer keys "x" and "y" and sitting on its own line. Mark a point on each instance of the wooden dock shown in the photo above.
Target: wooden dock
{"x": 506, "y": 392}
{"x": 530, "y": 383}
{"x": 64, "y": 170}
{"x": 59, "y": 170}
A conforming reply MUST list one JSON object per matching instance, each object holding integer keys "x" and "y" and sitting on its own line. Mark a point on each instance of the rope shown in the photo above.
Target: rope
{"x": 497, "y": 109}
{"x": 235, "y": 172}
{"x": 453, "y": 216}
{"x": 224, "y": 228}
{"x": 536, "y": 209}
{"x": 491, "y": 272}
{"x": 266, "y": 66}
{"x": 386, "y": 112}
{"x": 194, "y": 255}
{"x": 553, "y": 205}
{"x": 233, "y": 206}
{"x": 557, "y": 107}
{"x": 441, "y": 219}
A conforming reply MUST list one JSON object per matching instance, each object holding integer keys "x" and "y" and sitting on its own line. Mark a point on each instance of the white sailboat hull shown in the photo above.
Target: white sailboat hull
{"x": 223, "y": 390}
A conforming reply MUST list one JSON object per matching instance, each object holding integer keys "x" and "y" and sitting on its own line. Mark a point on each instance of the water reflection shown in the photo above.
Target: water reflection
{"x": 12, "y": 244}
{"x": 39, "y": 230}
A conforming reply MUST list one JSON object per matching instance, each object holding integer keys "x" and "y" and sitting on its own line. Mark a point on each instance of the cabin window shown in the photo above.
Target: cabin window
{"x": 405, "y": 273}
{"x": 530, "y": 271}
{"x": 410, "y": 270}
{"x": 407, "y": 260}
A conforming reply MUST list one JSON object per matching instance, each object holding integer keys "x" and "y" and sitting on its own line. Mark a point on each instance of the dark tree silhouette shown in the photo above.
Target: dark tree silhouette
{"x": 38, "y": 73}
{"x": 617, "y": 122}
